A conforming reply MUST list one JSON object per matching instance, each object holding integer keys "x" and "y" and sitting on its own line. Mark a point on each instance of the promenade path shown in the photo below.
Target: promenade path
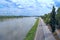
{"x": 43, "y": 32}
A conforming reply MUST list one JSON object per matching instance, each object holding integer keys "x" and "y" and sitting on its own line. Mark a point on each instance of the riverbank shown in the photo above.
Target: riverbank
{"x": 16, "y": 16}
{"x": 1, "y": 17}
{"x": 31, "y": 33}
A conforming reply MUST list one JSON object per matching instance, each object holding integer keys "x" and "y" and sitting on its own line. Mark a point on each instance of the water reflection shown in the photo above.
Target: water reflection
{"x": 15, "y": 28}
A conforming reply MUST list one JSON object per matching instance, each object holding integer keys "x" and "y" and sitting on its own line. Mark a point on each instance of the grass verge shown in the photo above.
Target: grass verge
{"x": 31, "y": 33}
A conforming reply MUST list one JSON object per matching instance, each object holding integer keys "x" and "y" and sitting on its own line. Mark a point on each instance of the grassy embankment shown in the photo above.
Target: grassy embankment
{"x": 31, "y": 33}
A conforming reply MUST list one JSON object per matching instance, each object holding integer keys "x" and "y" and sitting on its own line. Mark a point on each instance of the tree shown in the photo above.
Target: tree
{"x": 58, "y": 18}
{"x": 52, "y": 19}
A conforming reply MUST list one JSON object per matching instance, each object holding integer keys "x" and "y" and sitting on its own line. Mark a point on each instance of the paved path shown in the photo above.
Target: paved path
{"x": 43, "y": 32}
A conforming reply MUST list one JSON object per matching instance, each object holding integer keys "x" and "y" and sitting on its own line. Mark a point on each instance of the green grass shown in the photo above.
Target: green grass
{"x": 31, "y": 33}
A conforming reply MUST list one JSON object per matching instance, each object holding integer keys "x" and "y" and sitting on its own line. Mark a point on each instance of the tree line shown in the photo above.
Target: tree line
{"x": 53, "y": 19}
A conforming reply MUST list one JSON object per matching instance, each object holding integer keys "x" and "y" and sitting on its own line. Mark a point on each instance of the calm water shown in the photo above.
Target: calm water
{"x": 15, "y": 28}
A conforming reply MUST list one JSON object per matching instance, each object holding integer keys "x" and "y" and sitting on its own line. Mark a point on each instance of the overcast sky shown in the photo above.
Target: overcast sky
{"x": 27, "y": 7}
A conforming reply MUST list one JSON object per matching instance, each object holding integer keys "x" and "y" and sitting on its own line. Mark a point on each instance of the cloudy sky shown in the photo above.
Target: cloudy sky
{"x": 27, "y": 7}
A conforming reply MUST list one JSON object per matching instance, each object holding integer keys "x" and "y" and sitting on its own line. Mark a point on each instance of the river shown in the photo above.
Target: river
{"x": 15, "y": 28}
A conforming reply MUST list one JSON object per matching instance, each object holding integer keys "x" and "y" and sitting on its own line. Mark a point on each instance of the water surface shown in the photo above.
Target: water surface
{"x": 15, "y": 28}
